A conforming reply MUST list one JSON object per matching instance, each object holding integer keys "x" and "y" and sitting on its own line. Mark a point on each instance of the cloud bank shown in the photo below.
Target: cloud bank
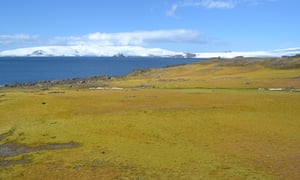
{"x": 10, "y": 39}
{"x": 211, "y": 4}
{"x": 136, "y": 38}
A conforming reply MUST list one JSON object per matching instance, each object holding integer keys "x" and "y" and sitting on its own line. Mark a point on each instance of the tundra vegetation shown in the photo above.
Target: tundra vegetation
{"x": 214, "y": 119}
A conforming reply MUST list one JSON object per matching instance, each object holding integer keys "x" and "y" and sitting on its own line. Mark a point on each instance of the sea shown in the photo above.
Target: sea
{"x": 33, "y": 69}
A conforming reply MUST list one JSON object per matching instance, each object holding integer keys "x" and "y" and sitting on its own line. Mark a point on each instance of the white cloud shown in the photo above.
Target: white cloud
{"x": 10, "y": 39}
{"x": 211, "y": 4}
{"x": 172, "y": 10}
{"x": 145, "y": 37}
{"x": 135, "y": 38}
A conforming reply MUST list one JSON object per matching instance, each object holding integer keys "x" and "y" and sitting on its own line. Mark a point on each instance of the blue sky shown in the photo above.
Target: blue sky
{"x": 179, "y": 25}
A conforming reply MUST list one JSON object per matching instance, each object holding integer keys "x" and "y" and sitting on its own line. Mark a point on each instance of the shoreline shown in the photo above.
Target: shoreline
{"x": 82, "y": 82}
{"x": 31, "y": 70}
{"x": 283, "y": 63}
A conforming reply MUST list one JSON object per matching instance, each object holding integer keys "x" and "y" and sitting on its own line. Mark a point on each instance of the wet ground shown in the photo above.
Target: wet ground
{"x": 12, "y": 149}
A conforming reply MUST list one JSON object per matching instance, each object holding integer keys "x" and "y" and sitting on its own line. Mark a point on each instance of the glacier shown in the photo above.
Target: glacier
{"x": 84, "y": 50}
{"x": 110, "y": 51}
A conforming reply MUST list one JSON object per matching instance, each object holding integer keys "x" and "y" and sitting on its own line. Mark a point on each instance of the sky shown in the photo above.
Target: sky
{"x": 178, "y": 25}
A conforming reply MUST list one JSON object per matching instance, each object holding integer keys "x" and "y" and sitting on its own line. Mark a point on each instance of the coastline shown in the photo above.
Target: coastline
{"x": 34, "y": 69}
{"x": 275, "y": 64}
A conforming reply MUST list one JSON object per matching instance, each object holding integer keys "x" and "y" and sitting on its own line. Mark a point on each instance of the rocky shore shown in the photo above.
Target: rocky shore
{"x": 69, "y": 83}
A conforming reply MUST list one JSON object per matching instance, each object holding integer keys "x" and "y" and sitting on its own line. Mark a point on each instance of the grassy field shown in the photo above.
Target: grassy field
{"x": 201, "y": 121}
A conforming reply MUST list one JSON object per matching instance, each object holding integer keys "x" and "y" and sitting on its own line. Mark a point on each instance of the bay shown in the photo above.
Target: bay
{"x": 32, "y": 69}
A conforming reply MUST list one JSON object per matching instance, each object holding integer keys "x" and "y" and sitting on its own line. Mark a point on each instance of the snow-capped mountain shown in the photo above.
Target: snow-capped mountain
{"x": 229, "y": 54}
{"x": 93, "y": 50}
{"x": 85, "y": 50}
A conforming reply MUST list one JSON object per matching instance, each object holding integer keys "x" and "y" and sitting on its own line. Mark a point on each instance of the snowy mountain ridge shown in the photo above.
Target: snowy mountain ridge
{"x": 117, "y": 51}
{"x": 81, "y": 50}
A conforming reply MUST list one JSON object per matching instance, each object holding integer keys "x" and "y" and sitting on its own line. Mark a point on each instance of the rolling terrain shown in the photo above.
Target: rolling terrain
{"x": 216, "y": 119}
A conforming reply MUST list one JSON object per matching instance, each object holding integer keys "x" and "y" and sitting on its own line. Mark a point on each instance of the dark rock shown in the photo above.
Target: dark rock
{"x": 38, "y": 53}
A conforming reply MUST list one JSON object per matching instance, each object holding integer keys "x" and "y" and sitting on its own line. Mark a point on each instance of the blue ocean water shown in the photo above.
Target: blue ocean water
{"x": 31, "y": 69}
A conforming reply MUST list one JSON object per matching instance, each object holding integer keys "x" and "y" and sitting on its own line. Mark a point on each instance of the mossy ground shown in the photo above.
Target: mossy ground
{"x": 184, "y": 128}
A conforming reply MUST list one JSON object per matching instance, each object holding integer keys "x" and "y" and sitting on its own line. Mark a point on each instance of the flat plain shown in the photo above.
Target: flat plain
{"x": 215, "y": 119}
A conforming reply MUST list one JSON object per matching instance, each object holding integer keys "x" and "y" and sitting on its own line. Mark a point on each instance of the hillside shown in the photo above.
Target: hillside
{"x": 206, "y": 120}
{"x": 225, "y": 73}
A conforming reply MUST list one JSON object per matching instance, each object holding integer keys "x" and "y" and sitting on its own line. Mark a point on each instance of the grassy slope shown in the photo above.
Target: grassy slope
{"x": 223, "y": 74}
{"x": 167, "y": 133}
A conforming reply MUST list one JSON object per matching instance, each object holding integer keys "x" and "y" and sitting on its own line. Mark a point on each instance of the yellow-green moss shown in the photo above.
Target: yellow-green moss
{"x": 183, "y": 128}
